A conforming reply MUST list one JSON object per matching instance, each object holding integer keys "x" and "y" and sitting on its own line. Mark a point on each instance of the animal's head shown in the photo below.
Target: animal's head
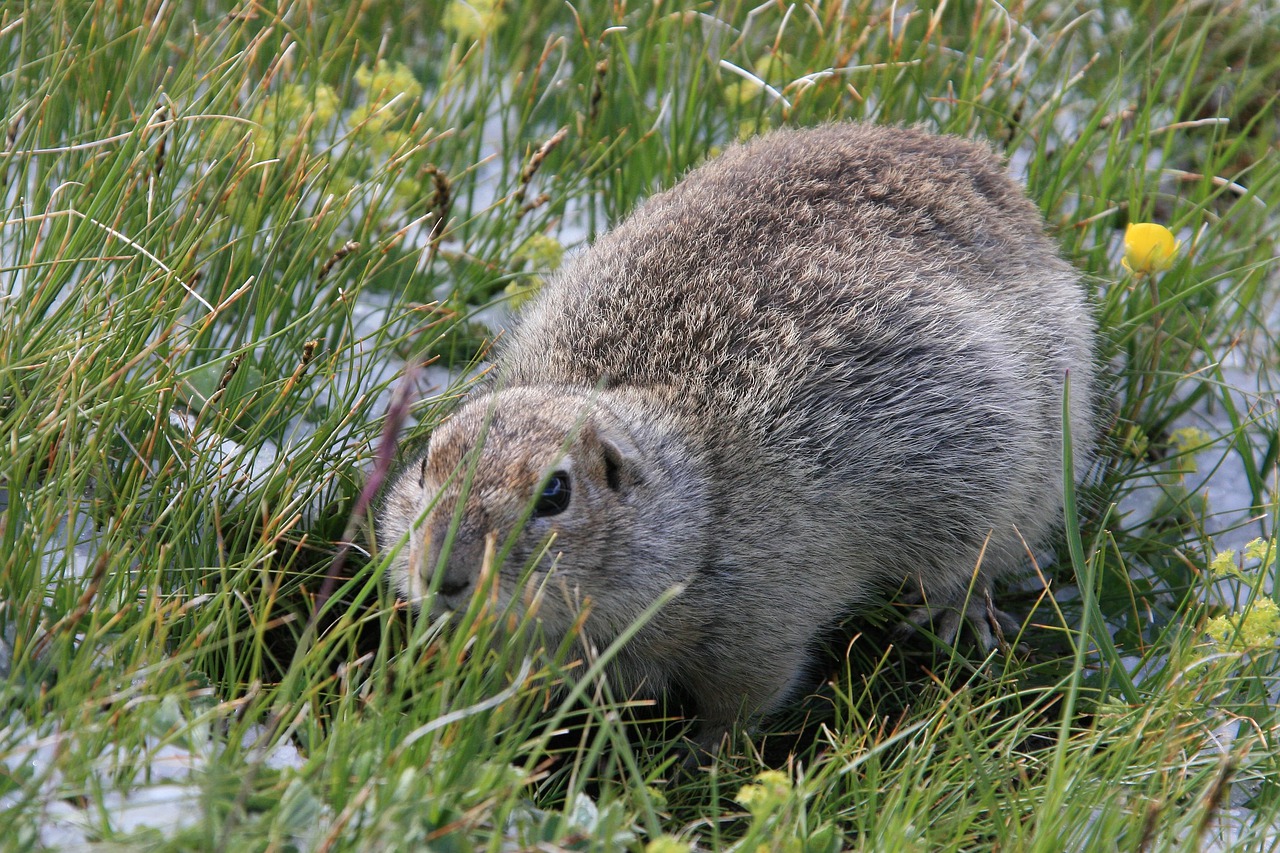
{"x": 534, "y": 496}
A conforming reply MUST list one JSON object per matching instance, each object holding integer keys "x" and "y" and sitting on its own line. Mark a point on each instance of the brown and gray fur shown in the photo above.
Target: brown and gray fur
{"x": 828, "y": 362}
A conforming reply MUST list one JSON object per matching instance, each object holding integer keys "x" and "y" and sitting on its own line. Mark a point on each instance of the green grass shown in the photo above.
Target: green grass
{"x": 222, "y": 238}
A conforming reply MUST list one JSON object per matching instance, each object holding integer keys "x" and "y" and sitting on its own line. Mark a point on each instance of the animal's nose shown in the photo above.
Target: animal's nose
{"x": 455, "y": 580}
{"x": 461, "y": 565}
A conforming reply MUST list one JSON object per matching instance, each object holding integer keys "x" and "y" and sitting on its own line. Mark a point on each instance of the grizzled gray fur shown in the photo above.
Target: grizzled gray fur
{"x": 825, "y": 363}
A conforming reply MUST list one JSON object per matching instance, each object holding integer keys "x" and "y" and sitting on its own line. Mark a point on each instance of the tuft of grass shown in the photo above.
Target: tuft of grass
{"x": 237, "y": 248}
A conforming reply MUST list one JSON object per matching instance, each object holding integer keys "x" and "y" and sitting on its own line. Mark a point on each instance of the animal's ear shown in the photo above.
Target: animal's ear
{"x": 621, "y": 461}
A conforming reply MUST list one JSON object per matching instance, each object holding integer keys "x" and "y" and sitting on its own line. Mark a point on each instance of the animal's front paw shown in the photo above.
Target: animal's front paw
{"x": 991, "y": 626}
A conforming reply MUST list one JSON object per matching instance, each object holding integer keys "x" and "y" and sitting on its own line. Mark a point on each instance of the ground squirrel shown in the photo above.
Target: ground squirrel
{"x": 826, "y": 362}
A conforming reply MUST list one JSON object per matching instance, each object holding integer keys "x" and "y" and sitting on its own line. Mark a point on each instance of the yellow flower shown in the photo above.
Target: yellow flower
{"x": 739, "y": 92}
{"x": 1189, "y": 438}
{"x": 749, "y": 127}
{"x": 472, "y": 21}
{"x": 1136, "y": 441}
{"x": 1257, "y": 626}
{"x": 770, "y": 791}
{"x": 298, "y": 102}
{"x": 1148, "y": 248}
{"x": 1186, "y": 441}
{"x": 540, "y": 253}
{"x": 1224, "y": 564}
{"x": 388, "y": 79}
{"x": 1258, "y": 549}
{"x": 281, "y": 115}
{"x": 667, "y": 844}
{"x": 371, "y": 119}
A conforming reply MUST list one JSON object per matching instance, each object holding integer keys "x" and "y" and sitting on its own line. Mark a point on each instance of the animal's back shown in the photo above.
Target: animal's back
{"x": 832, "y": 288}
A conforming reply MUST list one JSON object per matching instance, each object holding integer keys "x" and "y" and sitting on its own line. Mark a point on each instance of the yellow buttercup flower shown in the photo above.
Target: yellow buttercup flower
{"x": 1148, "y": 248}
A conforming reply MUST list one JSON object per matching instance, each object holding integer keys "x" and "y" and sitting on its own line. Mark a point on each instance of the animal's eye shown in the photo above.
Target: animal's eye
{"x": 554, "y": 498}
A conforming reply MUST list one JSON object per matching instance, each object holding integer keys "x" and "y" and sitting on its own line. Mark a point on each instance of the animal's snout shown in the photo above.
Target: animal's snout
{"x": 459, "y": 569}
{"x": 455, "y": 580}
